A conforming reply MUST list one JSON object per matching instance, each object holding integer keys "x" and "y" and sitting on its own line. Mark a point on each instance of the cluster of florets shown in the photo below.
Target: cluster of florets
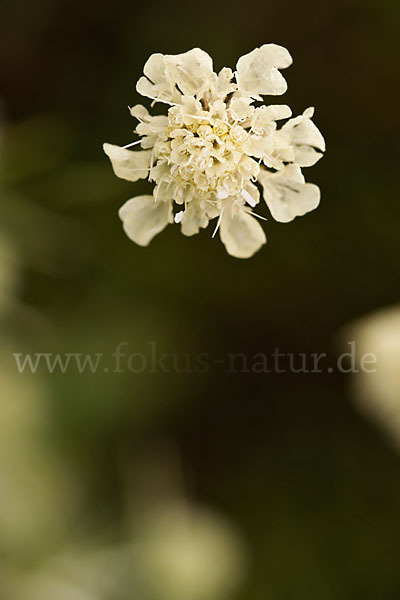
{"x": 214, "y": 145}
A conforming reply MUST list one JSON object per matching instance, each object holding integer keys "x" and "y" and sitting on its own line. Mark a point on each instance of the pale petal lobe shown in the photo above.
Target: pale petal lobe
{"x": 257, "y": 72}
{"x": 241, "y": 234}
{"x": 128, "y": 164}
{"x": 287, "y": 195}
{"x": 143, "y": 218}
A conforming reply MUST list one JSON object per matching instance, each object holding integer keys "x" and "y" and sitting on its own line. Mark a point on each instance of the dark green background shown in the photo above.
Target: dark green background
{"x": 313, "y": 488}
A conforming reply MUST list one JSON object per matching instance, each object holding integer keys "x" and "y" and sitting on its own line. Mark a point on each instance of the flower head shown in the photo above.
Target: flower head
{"x": 207, "y": 154}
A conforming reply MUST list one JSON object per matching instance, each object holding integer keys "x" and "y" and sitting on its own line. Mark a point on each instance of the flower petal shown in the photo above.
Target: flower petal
{"x": 162, "y": 191}
{"x": 241, "y": 234}
{"x": 258, "y": 145}
{"x": 248, "y": 167}
{"x": 307, "y": 140}
{"x": 182, "y": 192}
{"x": 140, "y": 113}
{"x": 221, "y": 84}
{"x": 257, "y": 72}
{"x": 143, "y": 218}
{"x": 127, "y": 164}
{"x": 190, "y": 71}
{"x": 193, "y": 218}
{"x": 287, "y": 195}
{"x": 263, "y": 120}
{"x": 156, "y": 84}
{"x": 153, "y": 130}
{"x": 241, "y": 108}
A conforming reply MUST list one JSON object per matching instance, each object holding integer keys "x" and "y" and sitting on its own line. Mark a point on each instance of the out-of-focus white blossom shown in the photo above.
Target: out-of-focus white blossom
{"x": 206, "y": 155}
{"x": 37, "y": 495}
{"x": 185, "y": 553}
{"x": 378, "y": 392}
{"x": 175, "y": 552}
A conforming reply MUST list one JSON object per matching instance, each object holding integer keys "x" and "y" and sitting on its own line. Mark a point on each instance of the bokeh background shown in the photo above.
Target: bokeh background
{"x": 185, "y": 485}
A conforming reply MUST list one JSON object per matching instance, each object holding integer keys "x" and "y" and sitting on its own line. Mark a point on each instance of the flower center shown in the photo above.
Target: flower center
{"x": 206, "y": 148}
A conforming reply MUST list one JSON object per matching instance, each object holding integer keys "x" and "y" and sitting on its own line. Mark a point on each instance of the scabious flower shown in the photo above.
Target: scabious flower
{"x": 207, "y": 154}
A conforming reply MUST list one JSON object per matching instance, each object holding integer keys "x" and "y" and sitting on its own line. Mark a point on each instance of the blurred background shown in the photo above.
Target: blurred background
{"x": 185, "y": 485}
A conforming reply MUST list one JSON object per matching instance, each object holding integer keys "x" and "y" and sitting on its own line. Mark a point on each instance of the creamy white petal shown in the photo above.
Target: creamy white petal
{"x": 222, "y": 83}
{"x": 140, "y": 113}
{"x": 309, "y": 112}
{"x": 193, "y": 218}
{"x": 241, "y": 234}
{"x": 248, "y": 167}
{"x": 154, "y": 69}
{"x": 241, "y": 108}
{"x": 156, "y": 83}
{"x": 217, "y": 110}
{"x": 153, "y": 129}
{"x": 163, "y": 191}
{"x": 212, "y": 210}
{"x": 258, "y": 145}
{"x": 282, "y": 151}
{"x": 307, "y": 140}
{"x": 183, "y": 192}
{"x": 263, "y": 120}
{"x": 190, "y": 71}
{"x": 143, "y": 218}
{"x": 278, "y": 111}
{"x": 306, "y": 156}
{"x": 286, "y": 193}
{"x": 304, "y": 131}
{"x": 160, "y": 171}
{"x": 257, "y": 72}
{"x": 128, "y": 164}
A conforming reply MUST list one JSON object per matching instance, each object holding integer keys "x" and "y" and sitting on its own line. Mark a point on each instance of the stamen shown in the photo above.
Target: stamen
{"x": 132, "y": 144}
{"x": 151, "y": 162}
{"x": 253, "y": 214}
{"x": 163, "y": 101}
{"x": 249, "y": 199}
{"x": 218, "y": 224}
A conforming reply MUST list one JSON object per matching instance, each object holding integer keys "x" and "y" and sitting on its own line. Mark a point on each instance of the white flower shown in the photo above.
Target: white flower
{"x": 207, "y": 153}
{"x": 377, "y": 388}
{"x": 184, "y": 552}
